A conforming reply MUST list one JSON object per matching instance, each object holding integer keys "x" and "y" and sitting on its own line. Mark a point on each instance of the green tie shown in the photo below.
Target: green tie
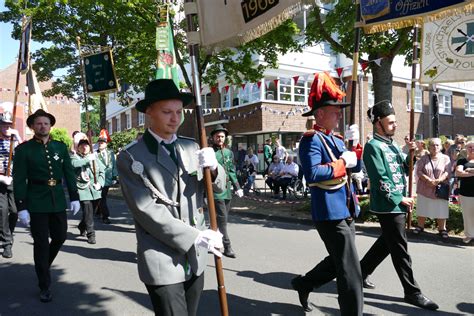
{"x": 172, "y": 150}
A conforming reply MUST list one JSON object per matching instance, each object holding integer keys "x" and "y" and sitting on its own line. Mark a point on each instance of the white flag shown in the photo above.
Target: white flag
{"x": 36, "y": 98}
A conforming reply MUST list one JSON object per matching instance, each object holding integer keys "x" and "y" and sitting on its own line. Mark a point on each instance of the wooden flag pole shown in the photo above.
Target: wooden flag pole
{"x": 193, "y": 55}
{"x": 15, "y": 100}
{"x": 84, "y": 89}
{"x": 415, "y": 61}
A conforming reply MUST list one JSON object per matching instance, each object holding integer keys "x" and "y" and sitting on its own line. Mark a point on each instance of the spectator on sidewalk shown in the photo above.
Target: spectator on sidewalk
{"x": 267, "y": 153}
{"x": 431, "y": 170}
{"x": 251, "y": 163}
{"x": 280, "y": 151}
{"x": 446, "y": 145}
{"x": 287, "y": 173}
{"x": 273, "y": 174}
{"x": 465, "y": 173}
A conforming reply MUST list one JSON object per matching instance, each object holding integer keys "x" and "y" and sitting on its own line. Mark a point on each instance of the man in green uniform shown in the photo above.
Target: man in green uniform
{"x": 225, "y": 157}
{"x": 40, "y": 165}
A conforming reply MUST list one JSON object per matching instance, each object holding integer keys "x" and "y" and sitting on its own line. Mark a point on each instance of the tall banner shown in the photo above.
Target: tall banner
{"x": 230, "y": 23}
{"x": 25, "y": 46}
{"x": 448, "y": 49}
{"x": 167, "y": 68}
{"x": 36, "y": 98}
{"x": 382, "y": 15}
{"x": 100, "y": 72}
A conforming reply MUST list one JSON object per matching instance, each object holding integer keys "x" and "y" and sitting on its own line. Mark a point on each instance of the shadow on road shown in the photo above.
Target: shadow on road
{"x": 268, "y": 221}
{"x": 20, "y": 294}
{"x": 139, "y": 298}
{"x": 100, "y": 253}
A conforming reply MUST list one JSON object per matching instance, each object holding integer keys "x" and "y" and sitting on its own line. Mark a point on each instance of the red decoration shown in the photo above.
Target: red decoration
{"x": 339, "y": 71}
{"x": 213, "y": 89}
{"x": 276, "y": 82}
{"x": 243, "y": 86}
{"x": 226, "y": 89}
{"x": 364, "y": 65}
{"x": 295, "y": 78}
{"x": 259, "y": 84}
{"x": 105, "y": 134}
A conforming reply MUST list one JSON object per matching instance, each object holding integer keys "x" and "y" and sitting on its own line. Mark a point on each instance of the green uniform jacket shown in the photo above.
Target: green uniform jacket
{"x": 267, "y": 153}
{"x": 85, "y": 177}
{"x": 387, "y": 168}
{"x": 225, "y": 157}
{"x": 110, "y": 166}
{"x": 35, "y": 163}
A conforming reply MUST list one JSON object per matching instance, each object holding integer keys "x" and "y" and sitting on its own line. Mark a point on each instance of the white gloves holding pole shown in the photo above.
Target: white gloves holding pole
{"x": 211, "y": 240}
{"x": 75, "y": 206}
{"x": 239, "y": 193}
{"x": 6, "y": 180}
{"x": 207, "y": 158}
{"x": 24, "y": 217}
{"x": 352, "y": 133}
{"x": 350, "y": 158}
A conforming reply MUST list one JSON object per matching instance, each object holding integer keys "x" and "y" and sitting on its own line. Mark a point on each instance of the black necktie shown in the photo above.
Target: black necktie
{"x": 172, "y": 150}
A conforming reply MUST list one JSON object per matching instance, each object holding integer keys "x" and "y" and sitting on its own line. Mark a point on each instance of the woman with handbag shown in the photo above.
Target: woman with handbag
{"x": 465, "y": 173}
{"x": 432, "y": 188}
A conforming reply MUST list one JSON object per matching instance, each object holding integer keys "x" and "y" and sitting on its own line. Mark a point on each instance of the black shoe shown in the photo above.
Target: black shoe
{"x": 45, "y": 296}
{"x": 422, "y": 301}
{"x": 91, "y": 239}
{"x": 7, "y": 252}
{"x": 367, "y": 284}
{"x": 303, "y": 293}
{"x": 106, "y": 221}
{"x": 229, "y": 252}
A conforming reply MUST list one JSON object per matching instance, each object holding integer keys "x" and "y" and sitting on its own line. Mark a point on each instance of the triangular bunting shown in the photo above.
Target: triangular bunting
{"x": 243, "y": 86}
{"x": 276, "y": 82}
{"x": 226, "y": 89}
{"x": 259, "y": 84}
{"x": 295, "y": 78}
{"x": 364, "y": 65}
{"x": 213, "y": 89}
{"x": 378, "y": 61}
{"x": 339, "y": 71}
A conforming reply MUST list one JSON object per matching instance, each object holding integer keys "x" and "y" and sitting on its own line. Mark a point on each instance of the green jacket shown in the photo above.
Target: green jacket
{"x": 225, "y": 157}
{"x": 36, "y": 163}
{"x": 387, "y": 167}
{"x": 85, "y": 177}
{"x": 108, "y": 160}
{"x": 267, "y": 153}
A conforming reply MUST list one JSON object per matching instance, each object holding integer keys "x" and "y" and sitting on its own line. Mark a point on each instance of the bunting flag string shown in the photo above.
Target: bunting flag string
{"x": 63, "y": 99}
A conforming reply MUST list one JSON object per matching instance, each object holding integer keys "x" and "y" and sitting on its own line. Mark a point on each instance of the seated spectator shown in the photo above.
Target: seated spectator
{"x": 251, "y": 163}
{"x": 465, "y": 173}
{"x": 274, "y": 173}
{"x": 432, "y": 169}
{"x": 287, "y": 173}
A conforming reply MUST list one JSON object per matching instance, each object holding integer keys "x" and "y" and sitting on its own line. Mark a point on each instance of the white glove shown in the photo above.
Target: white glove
{"x": 97, "y": 186}
{"x": 24, "y": 217}
{"x": 114, "y": 182}
{"x": 11, "y": 131}
{"x": 211, "y": 240}
{"x": 207, "y": 158}
{"x": 75, "y": 206}
{"x": 350, "y": 158}
{"x": 6, "y": 180}
{"x": 91, "y": 157}
{"x": 352, "y": 133}
{"x": 239, "y": 193}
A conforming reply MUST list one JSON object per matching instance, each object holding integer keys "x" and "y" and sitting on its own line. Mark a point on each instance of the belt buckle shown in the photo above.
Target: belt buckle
{"x": 52, "y": 182}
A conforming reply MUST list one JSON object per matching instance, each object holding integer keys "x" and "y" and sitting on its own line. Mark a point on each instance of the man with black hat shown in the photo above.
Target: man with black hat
{"x": 225, "y": 157}
{"x": 8, "y": 211}
{"x": 387, "y": 168}
{"x": 324, "y": 159}
{"x": 162, "y": 183}
{"x": 40, "y": 164}
{"x": 107, "y": 157}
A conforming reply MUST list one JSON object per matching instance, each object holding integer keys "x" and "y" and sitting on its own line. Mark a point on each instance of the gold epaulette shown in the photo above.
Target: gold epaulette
{"x": 309, "y": 133}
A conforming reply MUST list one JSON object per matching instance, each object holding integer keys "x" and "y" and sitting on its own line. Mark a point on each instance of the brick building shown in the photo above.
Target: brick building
{"x": 66, "y": 111}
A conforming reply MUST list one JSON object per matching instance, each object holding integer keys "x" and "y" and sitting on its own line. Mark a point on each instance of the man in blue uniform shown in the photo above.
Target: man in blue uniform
{"x": 324, "y": 159}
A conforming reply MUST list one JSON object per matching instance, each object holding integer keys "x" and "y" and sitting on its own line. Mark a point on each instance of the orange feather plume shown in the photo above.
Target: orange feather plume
{"x": 323, "y": 82}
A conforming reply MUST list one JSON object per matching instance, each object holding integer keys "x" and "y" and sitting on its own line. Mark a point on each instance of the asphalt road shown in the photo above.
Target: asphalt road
{"x": 102, "y": 279}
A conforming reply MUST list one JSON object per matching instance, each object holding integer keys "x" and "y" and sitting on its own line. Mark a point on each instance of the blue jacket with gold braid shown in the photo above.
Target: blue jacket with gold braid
{"x": 325, "y": 176}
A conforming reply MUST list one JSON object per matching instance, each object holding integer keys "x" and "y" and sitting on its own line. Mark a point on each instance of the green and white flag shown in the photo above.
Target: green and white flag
{"x": 166, "y": 62}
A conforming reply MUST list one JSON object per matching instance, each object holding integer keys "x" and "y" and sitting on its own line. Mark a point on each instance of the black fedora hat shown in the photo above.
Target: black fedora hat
{"x": 162, "y": 89}
{"x": 220, "y": 128}
{"x": 325, "y": 100}
{"x": 40, "y": 113}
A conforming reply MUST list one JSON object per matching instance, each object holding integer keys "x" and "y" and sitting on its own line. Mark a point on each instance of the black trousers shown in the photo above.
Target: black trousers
{"x": 393, "y": 241}
{"x": 342, "y": 264}
{"x": 8, "y": 215}
{"x": 87, "y": 221}
{"x": 102, "y": 208}
{"x": 222, "y": 213}
{"x": 177, "y": 299}
{"x": 43, "y": 226}
{"x": 283, "y": 184}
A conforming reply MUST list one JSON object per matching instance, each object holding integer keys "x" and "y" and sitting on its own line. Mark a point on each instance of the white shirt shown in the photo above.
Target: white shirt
{"x": 280, "y": 152}
{"x": 289, "y": 170}
{"x": 253, "y": 160}
{"x": 160, "y": 139}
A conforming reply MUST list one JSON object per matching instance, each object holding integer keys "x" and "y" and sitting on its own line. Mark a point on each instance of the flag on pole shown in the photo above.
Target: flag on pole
{"x": 167, "y": 66}
{"x": 25, "y": 45}
{"x": 36, "y": 98}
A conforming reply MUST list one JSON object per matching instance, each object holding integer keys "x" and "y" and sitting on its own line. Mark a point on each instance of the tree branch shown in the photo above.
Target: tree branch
{"x": 402, "y": 38}
{"x": 327, "y": 36}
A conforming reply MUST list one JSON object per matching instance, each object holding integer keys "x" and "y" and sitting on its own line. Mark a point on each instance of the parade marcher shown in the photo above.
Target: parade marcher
{"x": 76, "y": 137}
{"x": 287, "y": 173}
{"x": 225, "y": 157}
{"x": 324, "y": 159}
{"x": 387, "y": 168}
{"x": 267, "y": 153}
{"x": 163, "y": 188}
{"x": 8, "y": 211}
{"x": 40, "y": 165}
{"x": 107, "y": 157}
{"x": 90, "y": 179}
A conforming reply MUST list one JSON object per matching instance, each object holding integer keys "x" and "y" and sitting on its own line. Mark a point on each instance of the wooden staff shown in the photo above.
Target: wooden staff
{"x": 416, "y": 45}
{"x": 15, "y": 100}
{"x": 193, "y": 55}
{"x": 84, "y": 89}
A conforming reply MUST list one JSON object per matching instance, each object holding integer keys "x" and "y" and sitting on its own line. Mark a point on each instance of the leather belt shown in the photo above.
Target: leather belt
{"x": 49, "y": 182}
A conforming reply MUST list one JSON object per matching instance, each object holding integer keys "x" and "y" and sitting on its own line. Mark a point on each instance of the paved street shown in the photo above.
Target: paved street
{"x": 102, "y": 279}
